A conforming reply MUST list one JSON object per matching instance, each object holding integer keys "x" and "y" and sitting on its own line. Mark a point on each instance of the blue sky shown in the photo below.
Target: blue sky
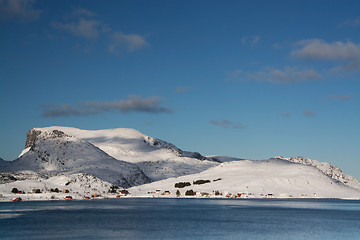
{"x": 248, "y": 79}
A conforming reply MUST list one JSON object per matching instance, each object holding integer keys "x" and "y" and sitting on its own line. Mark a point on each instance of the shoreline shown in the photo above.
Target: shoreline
{"x": 26, "y": 198}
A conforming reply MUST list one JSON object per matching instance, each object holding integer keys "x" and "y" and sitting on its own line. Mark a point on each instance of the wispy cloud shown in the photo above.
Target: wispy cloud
{"x": 273, "y": 75}
{"x": 317, "y": 49}
{"x": 84, "y": 12}
{"x": 226, "y": 124}
{"x": 82, "y": 23}
{"x": 255, "y": 39}
{"x": 250, "y": 39}
{"x": 234, "y": 75}
{"x": 308, "y": 113}
{"x": 340, "y": 97}
{"x": 351, "y": 22}
{"x": 21, "y": 10}
{"x": 287, "y": 75}
{"x": 81, "y": 28}
{"x": 130, "y": 42}
{"x": 182, "y": 89}
{"x": 243, "y": 40}
{"x": 285, "y": 114}
{"x": 254, "y": 63}
{"x": 132, "y": 104}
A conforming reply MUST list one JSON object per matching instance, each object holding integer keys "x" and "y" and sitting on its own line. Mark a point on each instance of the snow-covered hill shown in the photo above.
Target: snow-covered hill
{"x": 249, "y": 179}
{"x": 328, "y": 169}
{"x": 94, "y": 162}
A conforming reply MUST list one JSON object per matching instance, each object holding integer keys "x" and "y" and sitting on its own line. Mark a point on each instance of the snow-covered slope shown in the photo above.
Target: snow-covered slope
{"x": 53, "y": 152}
{"x": 270, "y": 178}
{"x": 156, "y": 158}
{"x": 328, "y": 169}
{"x": 87, "y": 162}
{"x": 78, "y": 186}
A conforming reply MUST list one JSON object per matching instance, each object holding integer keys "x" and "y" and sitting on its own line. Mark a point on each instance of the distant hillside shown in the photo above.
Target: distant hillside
{"x": 104, "y": 162}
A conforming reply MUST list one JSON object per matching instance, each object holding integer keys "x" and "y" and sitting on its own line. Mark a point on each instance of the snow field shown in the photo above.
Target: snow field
{"x": 256, "y": 179}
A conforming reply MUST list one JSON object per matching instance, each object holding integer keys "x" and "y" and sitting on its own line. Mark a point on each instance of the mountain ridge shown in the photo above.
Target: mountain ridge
{"x": 126, "y": 158}
{"x": 158, "y": 159}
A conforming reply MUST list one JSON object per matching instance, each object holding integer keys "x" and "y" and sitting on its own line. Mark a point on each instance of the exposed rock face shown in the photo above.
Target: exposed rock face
{"x": 31, "y": 137}
{"x": 33, "y": 134}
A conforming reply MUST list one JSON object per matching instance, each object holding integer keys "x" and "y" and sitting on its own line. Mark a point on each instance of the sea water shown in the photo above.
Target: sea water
{"x": 147, "y": 218}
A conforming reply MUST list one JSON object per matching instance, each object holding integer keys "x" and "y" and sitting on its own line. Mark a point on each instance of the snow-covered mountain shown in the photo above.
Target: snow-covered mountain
{"x": 54, "y": 152}
{"x": 89, "y": 162}
{"x": 156, "y": 158}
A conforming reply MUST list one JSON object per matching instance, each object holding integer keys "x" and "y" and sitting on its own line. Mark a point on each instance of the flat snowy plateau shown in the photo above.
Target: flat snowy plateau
{"x": 65, "y": 162}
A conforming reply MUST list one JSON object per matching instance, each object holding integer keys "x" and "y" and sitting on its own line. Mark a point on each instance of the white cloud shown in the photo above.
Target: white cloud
{"x": 317, "y": 49}
{"x": 21, "y": 10}
{"x": 287, "y": 75}
{"x": 130, "y": 42}
{"x": 82, "y": 28}
{"x": 132, "y": 104}
{"x": 226, "y": 124}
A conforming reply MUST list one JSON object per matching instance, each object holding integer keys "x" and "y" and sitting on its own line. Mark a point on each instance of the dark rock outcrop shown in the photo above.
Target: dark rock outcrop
{"x": 31, "y": 137}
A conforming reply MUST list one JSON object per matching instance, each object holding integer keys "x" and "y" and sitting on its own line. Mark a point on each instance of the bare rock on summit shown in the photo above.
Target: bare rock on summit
{"x": 31, "y": 137}
{"x": 33, "y": 134}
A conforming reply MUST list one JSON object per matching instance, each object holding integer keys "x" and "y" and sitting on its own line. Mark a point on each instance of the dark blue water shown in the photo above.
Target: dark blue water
{"x": 181, "y": 219}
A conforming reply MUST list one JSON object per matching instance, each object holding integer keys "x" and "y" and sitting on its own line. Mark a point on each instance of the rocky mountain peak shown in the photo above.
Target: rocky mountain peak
{"x": 33, "y": 134}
